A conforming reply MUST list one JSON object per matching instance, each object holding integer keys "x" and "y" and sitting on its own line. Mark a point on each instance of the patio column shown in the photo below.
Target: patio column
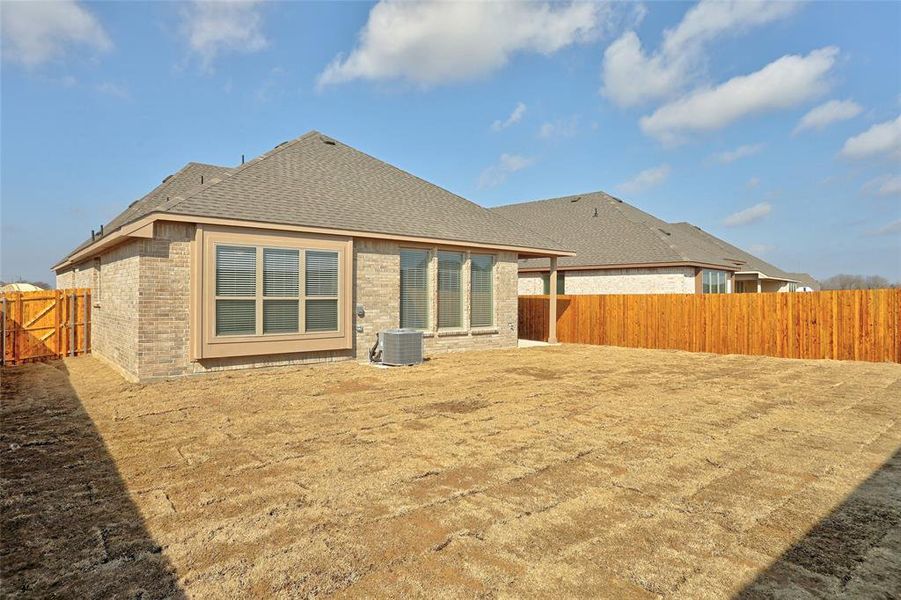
{"x": 552, "y": 303}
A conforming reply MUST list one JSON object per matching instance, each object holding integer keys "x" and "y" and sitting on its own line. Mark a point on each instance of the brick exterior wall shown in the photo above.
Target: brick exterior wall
{"x": 377, "y": 289}
{"x": 141, "y": 317}
{"x": 658, "y": 280}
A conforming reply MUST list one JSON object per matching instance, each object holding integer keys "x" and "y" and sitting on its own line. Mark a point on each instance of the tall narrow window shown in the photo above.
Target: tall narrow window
{"x": 482, "y": 295}
{"x": 281, "y": 290}
{"x": 322, "y": 291}
{"x": 450, "y": 298}
{"x": 414, "y": 289}
{"x": 236, "y": 287}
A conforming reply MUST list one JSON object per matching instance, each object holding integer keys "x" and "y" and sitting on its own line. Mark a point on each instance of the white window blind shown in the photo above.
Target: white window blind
{"x": 281, "y": 290}
{"x": 321, "y": 290}
{"x": 450, "y": 265}
{"x": 414, "y": 289}
{"x": 482, "y": 295}
{"x": 236, "y": 281}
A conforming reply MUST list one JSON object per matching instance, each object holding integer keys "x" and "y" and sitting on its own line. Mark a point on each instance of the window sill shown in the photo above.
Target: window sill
{"x": 452, "y": 332}
{"x": 485, "y": 331}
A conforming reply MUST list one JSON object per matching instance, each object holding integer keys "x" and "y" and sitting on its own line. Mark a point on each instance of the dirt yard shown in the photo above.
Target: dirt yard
{"x": 570, "y": 471}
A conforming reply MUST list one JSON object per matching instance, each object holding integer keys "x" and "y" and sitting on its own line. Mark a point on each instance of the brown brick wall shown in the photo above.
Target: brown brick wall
{"x": 142, "y": 324}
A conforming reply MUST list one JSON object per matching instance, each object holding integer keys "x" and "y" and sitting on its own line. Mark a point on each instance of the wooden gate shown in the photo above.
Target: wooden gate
{"x": 45, "y": 324}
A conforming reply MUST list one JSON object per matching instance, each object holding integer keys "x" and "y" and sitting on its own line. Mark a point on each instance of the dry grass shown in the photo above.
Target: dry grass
{"x": 561, "y": 471}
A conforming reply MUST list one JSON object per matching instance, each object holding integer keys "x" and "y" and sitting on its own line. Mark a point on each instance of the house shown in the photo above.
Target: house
{"x": 623, "y": 250}
{"x": 301, "y": 255}
{"x": 806, "y": 282}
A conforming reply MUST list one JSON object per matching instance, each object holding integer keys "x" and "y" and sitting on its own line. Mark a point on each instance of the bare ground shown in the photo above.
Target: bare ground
{"x": 570, "y": 471}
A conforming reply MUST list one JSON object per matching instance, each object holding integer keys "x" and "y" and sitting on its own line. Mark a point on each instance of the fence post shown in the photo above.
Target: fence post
{"x": 72, "y": 320}
{"x": 85, "y": 324}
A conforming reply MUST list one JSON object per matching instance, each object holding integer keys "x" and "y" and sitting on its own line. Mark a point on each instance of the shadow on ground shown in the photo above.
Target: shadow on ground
{"x": 69, "y": 527}
{"x": 854, "y": 552}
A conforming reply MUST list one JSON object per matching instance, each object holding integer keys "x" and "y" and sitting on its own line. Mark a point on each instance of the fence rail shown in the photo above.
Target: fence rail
{"x": 843, "y": 325}
{"x": 45, "y": 324}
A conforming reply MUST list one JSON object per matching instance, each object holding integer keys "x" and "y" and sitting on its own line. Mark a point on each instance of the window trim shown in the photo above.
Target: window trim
{"x": 205, "y": 342}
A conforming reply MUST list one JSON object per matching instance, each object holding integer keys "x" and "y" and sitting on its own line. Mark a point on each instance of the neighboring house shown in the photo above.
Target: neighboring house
{"x": 806, "y": 280}
{"x": 623, "y": 250}
{"x": 20, "y": 286}
{"x": 301, "y": 255}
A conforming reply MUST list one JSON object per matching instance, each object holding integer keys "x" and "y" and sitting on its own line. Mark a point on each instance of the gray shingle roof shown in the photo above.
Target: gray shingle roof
{"x": 752, "y": 263}
{"x": 604, "y": 230}
{"x": 807, "y": 279}
{"x": 190, "y": 177}
{"x": 316, "y": 181}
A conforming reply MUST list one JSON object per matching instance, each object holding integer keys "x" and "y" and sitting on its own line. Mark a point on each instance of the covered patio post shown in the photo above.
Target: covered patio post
{"x": 552, "y": 303}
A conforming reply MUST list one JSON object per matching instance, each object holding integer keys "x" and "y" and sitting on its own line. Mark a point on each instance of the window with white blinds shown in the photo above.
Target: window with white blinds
{"x": 261, "y": 291}
{"x": 281, "y": 290}
{"x": 414, "y": 289}
{"x": 236, "y": 281}
{"x": 321, "y": 291}
{"x": 450, "y": 297}
{"x": 713, "y": 282}
{"x": 482, "y": 290}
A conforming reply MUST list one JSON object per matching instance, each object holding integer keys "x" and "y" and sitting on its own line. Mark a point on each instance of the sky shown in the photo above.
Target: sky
{"x": 776, "y": 126}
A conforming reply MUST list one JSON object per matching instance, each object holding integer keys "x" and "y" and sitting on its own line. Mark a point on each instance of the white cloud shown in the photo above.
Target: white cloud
{"x": 730, "y": 156}
{"x": 498, "y": 173}
{"x": 559, "y": 128}
{"x": 880, "y": 139}
{"x": 515, "y": 117}
{"x": 783, "y": 83}
{"x": 891, "y": 228}
{"x": 828, "y": 113}
{"x": 631, "y": 76}
{"x": 645, "y": 180}
{"x": 886, "y": 185}
{"x": 37, "y": 32}
{"x": 113, "y": 89}
{"x": 224, "y": 26}
{"x": 433, "y": 43}
{"x": 748, "y": 215}
{"x": 753, "y": 183}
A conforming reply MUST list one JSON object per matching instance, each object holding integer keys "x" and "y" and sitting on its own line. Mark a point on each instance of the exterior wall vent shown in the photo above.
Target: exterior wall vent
{"x": 401, "y": 346}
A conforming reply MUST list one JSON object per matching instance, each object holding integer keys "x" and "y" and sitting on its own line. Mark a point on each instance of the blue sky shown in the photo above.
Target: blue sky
{"x": 774, "y": 126}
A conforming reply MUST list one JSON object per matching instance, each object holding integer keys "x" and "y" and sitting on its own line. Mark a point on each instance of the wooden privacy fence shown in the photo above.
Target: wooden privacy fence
{"x": 45, "y": 324}
{"x": 843, "y": 325}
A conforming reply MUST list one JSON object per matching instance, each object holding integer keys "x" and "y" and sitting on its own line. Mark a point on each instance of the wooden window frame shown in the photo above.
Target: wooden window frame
{"x": 205, "y": 342}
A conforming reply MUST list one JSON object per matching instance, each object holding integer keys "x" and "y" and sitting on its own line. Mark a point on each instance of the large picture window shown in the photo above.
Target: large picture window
{"x": 482, "y": 292}
{"x": 450, "y": 296}
{"x": 414, "y": 289}
{"x": 258, "y": 291}
{"x": 713, "y": 282}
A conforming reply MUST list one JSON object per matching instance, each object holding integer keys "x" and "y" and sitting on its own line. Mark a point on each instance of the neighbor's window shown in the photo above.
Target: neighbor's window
{"x": 713, "y": 282}
{"x": 241, "y": 296}
{"x": 482, "y": 290}
{"x": 414, "y": 289}
{"x": 546, "y": 283}
{"x": 450, "y": 297}
{"x": 792, "y": 287}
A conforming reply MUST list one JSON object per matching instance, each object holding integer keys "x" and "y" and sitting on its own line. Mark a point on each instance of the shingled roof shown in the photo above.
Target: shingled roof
{"x": 316, "y": 181}
{"x": 190, "y": 177}
{"x": 605, "y": 231}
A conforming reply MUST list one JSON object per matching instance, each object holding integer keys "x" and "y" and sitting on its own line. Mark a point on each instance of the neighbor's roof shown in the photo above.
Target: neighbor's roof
{"x": 752, "y": 263}
{"x": 605, "y": 231}
{"x": 20, "y": 287}
{"x": 807, "y": 279}
{"x": 316, "y": 181}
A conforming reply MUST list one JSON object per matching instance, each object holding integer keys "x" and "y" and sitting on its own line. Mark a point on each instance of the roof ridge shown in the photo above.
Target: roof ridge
{"x": 555, "y": 199}
{"x": 252, "y": 162}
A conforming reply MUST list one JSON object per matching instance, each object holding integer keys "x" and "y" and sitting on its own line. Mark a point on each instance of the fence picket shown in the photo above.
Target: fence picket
{"x": 843, "y": 325}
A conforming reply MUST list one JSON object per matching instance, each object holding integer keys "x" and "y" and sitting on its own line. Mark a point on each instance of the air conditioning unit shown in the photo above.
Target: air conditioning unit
{"x": 401, "y": 346}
